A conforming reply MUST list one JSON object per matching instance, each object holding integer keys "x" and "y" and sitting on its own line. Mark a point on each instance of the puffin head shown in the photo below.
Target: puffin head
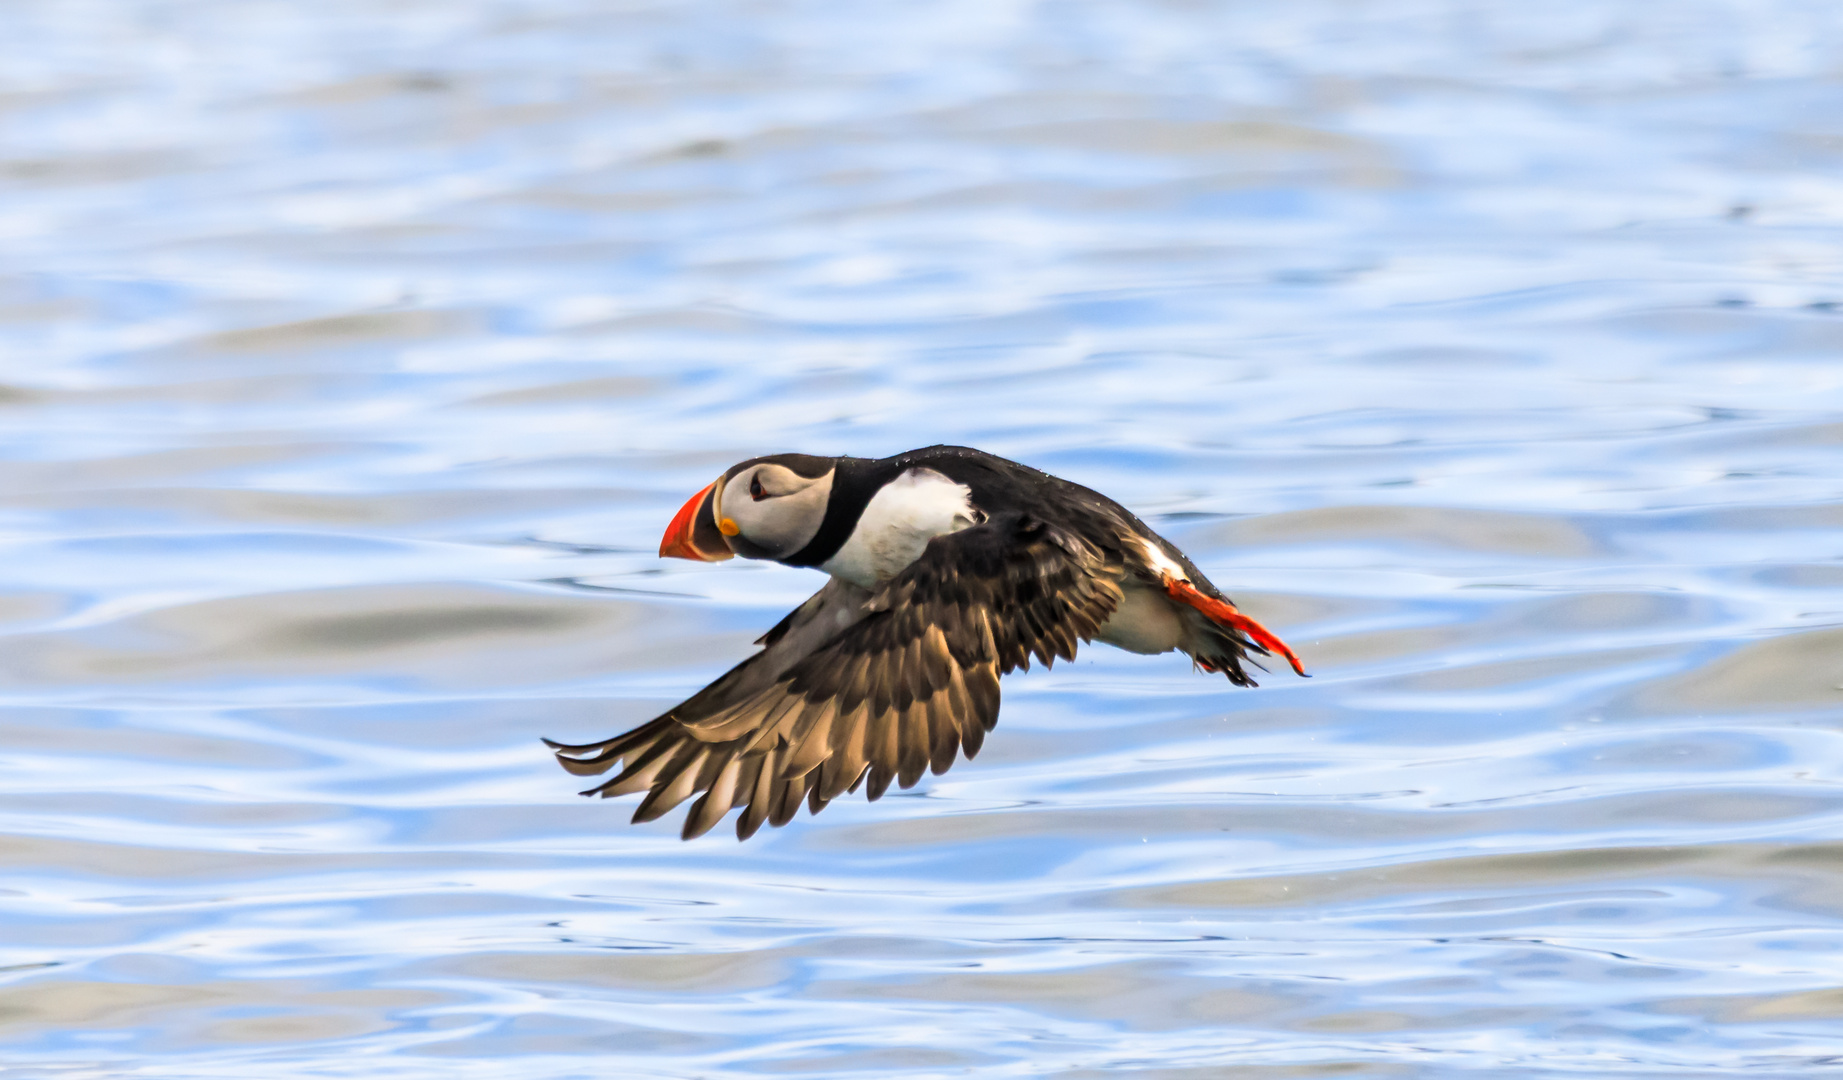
{"x": 764, "y": 508}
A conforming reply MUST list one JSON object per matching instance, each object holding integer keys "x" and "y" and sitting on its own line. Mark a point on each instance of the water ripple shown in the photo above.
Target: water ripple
{"x": 352, "y": 357}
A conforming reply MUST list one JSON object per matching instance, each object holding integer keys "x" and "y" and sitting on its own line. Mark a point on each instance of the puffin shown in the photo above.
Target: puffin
{"x": 948, "y": 567}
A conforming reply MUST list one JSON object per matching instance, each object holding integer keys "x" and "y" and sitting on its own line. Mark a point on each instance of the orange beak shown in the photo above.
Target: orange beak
{"x": 693, "y": 533}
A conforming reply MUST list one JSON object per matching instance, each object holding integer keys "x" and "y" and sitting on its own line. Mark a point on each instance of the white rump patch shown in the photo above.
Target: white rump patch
{"x": 909, "y": 511}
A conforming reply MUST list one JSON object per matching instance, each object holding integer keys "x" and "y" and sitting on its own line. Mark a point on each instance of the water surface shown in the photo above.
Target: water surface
{"x": 354, "y": 356}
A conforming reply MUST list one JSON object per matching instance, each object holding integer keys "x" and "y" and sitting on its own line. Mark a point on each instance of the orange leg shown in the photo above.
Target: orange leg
{"x": 1223, "y": 613}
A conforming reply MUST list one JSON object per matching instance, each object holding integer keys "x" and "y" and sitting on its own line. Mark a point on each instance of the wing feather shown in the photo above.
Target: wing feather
{"x": 912, "y": 756}
{"x": 709, "y": 810}
{"x": 788, "y": 791}
{"x": 642, "y": 769}
{"x": 681, "y": 777}
{"x": 943, "y": 734}
{"x": 812, "y": 738}
{"x": 759, "y": 793}
{"x": 857, "y": 687}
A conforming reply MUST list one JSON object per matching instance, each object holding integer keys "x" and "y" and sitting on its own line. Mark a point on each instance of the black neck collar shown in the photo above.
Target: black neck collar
{"x": 855, "y": 482}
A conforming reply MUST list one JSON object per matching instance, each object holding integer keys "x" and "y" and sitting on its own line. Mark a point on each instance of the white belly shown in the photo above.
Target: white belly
{"x": 1146, "y": 622}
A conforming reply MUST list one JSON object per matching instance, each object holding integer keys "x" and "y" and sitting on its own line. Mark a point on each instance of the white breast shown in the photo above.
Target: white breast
{"x": 901, "y": 518}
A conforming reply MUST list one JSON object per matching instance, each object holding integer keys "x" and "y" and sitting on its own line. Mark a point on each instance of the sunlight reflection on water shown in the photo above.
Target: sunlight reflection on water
{"x": 354, "y": 358}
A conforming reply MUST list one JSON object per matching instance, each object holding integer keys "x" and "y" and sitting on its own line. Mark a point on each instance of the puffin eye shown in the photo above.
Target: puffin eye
{"x": 755, "y": 489}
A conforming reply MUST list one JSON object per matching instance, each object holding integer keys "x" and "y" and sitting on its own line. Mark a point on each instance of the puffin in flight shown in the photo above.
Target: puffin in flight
{"x": 949, "y": 567}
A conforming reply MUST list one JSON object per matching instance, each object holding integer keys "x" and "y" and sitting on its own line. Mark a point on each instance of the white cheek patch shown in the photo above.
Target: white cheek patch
{"x": 896, "y": 526}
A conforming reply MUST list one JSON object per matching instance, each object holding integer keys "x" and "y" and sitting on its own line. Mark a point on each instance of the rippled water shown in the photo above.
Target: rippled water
{"x": 355, "y": 356}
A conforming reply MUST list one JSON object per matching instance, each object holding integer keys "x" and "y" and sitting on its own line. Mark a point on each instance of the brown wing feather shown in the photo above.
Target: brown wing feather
{"x": 909, "y": 680}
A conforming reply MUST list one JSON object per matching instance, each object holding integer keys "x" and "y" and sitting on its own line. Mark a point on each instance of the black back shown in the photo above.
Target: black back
{"x": 998, "y": 485}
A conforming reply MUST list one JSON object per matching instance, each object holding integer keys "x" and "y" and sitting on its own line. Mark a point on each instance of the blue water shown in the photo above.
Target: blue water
{"x": 354, "y": 356}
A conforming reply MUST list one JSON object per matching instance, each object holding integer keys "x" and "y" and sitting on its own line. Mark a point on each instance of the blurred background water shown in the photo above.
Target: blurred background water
{"x": 353, "y": 357}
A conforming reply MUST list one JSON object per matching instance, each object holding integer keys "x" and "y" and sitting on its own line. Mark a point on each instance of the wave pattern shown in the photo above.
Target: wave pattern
{"x": 353, "y": 356}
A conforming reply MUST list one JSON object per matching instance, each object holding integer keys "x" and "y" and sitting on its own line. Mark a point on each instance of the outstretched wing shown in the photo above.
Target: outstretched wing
{"x": 907, "y": 679}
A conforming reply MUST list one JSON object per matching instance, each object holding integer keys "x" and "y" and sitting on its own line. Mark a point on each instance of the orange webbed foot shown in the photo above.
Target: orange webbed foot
{"x": 1224, "y": 613}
